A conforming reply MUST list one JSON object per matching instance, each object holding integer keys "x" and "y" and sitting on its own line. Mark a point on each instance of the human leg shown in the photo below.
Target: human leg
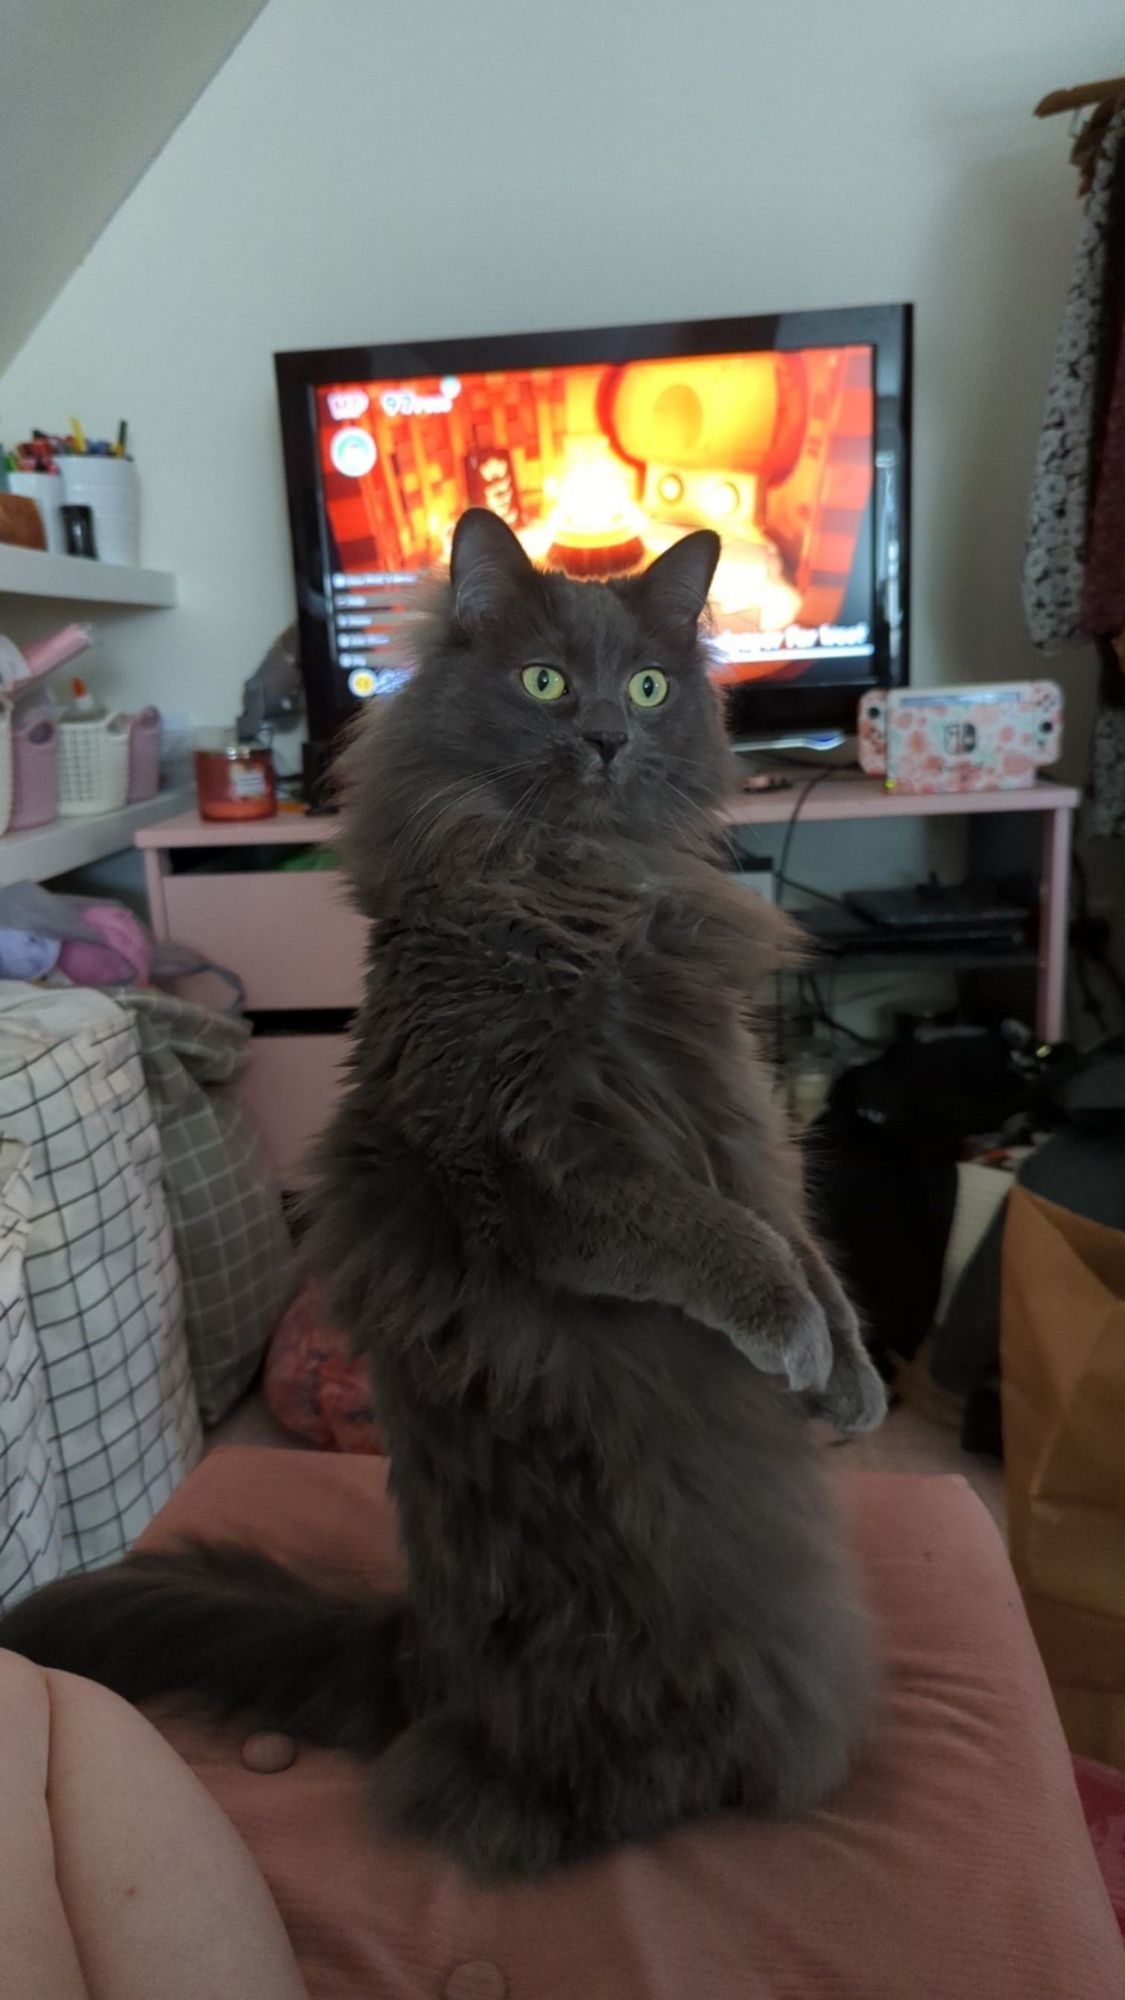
{"x": 125, "y": 1877}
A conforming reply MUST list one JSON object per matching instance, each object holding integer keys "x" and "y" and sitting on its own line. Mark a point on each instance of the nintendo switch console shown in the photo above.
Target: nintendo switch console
{"x": 978, "y": 738}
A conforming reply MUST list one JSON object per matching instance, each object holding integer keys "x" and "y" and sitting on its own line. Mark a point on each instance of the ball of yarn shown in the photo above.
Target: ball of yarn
{"x": 123, "y": 959}
{"x": 24, "y": 955}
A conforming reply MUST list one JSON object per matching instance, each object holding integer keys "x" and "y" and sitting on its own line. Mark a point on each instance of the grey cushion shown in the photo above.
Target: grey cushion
{"x": 235, "y": 1254}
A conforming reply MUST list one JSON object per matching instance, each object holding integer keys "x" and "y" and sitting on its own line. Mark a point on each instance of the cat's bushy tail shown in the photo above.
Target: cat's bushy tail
{"x": 226, "y": 1633}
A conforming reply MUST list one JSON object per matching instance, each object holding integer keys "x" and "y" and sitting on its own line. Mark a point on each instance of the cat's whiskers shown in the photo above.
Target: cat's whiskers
{"x": 415, "y": 813}
{"x": 522, "y": 807}
{"x": 430, "y": 798}
{"x": 693, "y": 820}
{"x": 694, "y": 809}
{"x": 421, "y": 834}
{"x": 473, "y": 791}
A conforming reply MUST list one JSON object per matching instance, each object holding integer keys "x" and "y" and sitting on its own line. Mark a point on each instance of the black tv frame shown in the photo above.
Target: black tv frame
{"x": 759, "y": 709}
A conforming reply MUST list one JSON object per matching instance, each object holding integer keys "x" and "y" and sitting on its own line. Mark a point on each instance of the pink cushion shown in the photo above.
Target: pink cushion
{"x": 956, "y": 1865}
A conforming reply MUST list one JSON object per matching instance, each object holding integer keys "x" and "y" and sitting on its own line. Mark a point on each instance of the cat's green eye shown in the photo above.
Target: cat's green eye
{"x": 544, "y": 683}
{"x": 648, "y": 689}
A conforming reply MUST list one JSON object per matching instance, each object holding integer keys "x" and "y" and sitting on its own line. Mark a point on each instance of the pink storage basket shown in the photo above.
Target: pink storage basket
{"x": 5, "y": 765}
{"x": 144, "y": 755}
{"x": 35, "y": 770}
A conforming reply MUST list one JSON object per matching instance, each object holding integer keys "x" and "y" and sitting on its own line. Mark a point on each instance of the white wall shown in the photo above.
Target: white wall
{"x": 88, "y": 95}
{"x": 361, "y": 170}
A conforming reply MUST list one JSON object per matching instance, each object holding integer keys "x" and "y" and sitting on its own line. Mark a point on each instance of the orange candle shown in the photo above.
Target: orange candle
{"x": 235, "y": 781}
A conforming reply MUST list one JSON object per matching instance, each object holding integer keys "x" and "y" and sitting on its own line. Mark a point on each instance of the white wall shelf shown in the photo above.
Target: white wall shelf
{"x": 45, "y": 851}
{"x": 77, "y": 580}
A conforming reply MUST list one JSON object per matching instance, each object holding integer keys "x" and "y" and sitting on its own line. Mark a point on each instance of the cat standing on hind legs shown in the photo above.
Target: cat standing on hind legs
{"x": 557, "y": 1209}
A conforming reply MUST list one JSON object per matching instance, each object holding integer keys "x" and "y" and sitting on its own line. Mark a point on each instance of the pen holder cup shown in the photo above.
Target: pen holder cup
{"x": 109, "y": 487}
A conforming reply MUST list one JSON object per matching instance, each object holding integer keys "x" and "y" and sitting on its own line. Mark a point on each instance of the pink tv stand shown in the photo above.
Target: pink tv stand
{"x": 299, "y": 948}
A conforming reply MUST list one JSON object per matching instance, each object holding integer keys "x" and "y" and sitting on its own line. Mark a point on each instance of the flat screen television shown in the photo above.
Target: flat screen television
{"x": 789, "y": 434}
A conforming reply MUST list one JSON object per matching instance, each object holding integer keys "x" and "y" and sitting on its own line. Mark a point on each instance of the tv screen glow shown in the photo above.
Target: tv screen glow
{"x": 599, "y": 467}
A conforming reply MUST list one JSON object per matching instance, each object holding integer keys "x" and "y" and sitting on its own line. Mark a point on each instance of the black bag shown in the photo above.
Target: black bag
{"x": 1081, "y": 1167}
{"x": 882, "y": 1171}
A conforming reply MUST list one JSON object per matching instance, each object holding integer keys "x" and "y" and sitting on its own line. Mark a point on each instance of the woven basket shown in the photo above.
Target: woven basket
{"x": 93, "y": 765}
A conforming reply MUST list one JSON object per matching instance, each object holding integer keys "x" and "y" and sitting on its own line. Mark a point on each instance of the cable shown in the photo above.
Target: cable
{"x": 822, "y": 895}
{"x": 819, "y": 776}
{"x": 844, "y": 903}
{"x": 1087, "y": 953}
{"x": 791, "y": 882}
{"x": 805, "y": 792}
{"x": 838, "y": 1027}
{"x": 1106, "y": 966}
{"x": 1090, "y": 1002}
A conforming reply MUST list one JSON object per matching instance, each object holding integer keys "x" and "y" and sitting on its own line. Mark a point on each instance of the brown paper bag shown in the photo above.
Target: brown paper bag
{"x": 1063, "y": 1373}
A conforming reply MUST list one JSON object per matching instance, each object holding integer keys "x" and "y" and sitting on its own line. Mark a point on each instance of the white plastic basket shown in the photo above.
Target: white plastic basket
{"x": 93, "y": 765}
{"x": 5, "y": 766}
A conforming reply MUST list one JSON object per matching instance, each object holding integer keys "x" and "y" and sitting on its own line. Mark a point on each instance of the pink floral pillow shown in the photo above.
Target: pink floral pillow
{"x": 314, "y": 1387}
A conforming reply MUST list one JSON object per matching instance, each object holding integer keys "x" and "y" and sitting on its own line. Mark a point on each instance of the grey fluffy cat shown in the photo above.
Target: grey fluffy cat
{"x": 559, "y": 1210}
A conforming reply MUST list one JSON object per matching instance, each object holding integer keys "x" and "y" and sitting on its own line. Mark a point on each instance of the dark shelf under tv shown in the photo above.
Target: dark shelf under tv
{"x": 949, "y": 957}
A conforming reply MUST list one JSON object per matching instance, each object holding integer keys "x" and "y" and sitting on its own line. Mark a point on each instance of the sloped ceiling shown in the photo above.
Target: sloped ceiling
{"x": 90, "y": 90}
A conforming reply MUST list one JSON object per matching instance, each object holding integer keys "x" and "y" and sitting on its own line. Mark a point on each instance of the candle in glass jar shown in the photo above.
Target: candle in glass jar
{"x": 235, "y": 780}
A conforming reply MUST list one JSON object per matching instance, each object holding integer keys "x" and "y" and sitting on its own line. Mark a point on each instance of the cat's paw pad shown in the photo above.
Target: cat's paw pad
{"x": 855, "y": 1397}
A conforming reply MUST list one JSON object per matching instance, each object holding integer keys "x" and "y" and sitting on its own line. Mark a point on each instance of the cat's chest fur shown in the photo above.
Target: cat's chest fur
{"x": 686, "y": 996}
{"x": 572, "y": 1006}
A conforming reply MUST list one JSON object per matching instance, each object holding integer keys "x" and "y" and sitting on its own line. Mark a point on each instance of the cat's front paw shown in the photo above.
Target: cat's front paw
{"x": 789, "y": 1336}
{"x": 854, "y": 1398}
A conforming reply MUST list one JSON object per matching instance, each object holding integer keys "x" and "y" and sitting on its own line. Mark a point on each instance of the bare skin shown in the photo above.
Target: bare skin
{"x": 120, "y": 1878}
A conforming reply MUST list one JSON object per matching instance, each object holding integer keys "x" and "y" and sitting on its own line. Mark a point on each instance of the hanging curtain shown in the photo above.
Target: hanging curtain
{"x": 1074, "y": 562}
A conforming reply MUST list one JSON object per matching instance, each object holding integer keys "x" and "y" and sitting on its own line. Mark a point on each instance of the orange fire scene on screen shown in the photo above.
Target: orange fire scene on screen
{"x": 600, "y": 469}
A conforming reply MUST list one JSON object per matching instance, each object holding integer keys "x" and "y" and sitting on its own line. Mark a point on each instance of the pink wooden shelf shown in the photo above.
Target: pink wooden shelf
{"x": 300, "y": 950}
{"x": 845, "y": 797}
{"x": 865, "y": 798}
{"x": 189, "y": 830}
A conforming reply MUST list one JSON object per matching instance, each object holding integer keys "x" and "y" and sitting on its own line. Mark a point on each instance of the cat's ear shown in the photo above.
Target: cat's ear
{"x": 486, "y": 565}
{"x": 675, "y": 586}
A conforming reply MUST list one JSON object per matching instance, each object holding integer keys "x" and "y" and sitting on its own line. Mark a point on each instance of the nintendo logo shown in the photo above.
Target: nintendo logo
{"x": 347, "y": 403}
